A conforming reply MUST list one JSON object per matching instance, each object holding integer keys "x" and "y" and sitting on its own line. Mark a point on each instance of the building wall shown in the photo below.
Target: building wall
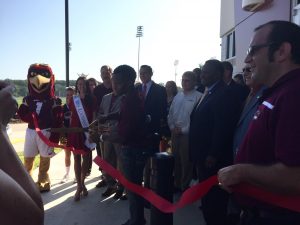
{"x": 226, "y": 17}
{"x": 245, "y": 22}
{"x": 226, "y": 24}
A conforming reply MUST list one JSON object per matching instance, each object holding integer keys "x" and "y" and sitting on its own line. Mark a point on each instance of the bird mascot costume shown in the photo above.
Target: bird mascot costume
{"x": 41, "y": 101}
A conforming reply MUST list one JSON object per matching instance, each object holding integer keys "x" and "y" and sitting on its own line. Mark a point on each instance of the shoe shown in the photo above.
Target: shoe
{"x": 109, "y": 191}
{"x": 85, "y": 192}
{"x": 124, "y": 197}
{"x": 77, "y": 195}
{"x": 118, "y": 194}
{"x": 65, "y": 179}
{"x": 101, "y": 184}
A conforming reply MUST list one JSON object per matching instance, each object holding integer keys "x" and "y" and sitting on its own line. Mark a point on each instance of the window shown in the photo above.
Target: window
{"x": 296, "y": 12}
{"x": 230, "y": 45}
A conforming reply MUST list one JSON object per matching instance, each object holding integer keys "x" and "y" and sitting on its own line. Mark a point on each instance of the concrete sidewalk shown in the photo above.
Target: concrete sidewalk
{"x": 60, "y": 208}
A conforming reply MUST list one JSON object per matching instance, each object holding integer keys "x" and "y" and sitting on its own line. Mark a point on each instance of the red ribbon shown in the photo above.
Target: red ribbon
{"x": 50, "y": 143}
{"x": 197, "y": 191}
{"x": 190, "y": 195}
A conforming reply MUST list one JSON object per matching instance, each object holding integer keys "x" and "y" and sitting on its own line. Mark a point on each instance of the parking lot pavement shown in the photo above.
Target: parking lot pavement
{"x": 60, "y": 208}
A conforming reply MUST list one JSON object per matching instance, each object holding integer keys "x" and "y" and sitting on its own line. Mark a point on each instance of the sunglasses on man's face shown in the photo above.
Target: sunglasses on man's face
{"x": 252, "y": 50}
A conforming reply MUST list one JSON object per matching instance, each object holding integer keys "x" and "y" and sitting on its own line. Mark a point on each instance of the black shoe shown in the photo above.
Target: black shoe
{"x": 118, "y": 194}
{"x": 109, "y": 191}
{"x": 101, "y": 184}
{"x": 124, "y": 197}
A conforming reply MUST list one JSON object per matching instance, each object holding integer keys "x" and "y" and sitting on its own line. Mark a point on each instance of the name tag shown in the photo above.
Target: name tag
{"x": 268, "y": 105}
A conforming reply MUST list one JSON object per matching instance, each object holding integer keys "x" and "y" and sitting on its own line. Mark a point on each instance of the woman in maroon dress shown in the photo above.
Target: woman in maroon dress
{"x": 78, "y": 140}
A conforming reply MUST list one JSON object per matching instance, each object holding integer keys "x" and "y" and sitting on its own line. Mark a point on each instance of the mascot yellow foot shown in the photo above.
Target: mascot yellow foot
{"x": 43, "y": 187}
{"x": 43, "y": 182}
{"x": 28, "y": 163}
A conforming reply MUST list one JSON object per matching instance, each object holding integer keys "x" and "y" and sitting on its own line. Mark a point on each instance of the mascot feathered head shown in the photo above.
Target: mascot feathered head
{"x": 40, "y": 81}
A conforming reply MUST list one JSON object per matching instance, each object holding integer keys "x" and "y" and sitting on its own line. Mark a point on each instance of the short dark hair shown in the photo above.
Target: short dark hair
{"x": 283, "y": 31}
{"x": 216, "y": 65}
{"x": 197, "y": 71}
{"x": 148, "y": 68}
{"x": 227, "y": 66}
{"x": 125, "y": 73}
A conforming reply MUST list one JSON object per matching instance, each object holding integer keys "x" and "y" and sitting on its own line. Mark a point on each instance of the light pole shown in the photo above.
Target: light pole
{"x": 175, "y": 66}
{"x": 67, "y": 44}
{"x": 139, "y": 34}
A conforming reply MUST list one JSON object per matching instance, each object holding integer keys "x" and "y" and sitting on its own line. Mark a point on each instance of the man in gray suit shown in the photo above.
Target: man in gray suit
{"x": 250, "y": 107}
{"x": 108, "y": 117}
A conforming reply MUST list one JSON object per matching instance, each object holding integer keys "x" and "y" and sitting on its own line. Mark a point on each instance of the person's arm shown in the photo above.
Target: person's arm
{"x": 17, "y": 186}
{"x": 277, "y": 178}
{"x": 17, "y": 206}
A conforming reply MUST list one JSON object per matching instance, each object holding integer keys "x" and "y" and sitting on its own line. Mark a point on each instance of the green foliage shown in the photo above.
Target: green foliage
{"x": 21, "y": 89}
{"x": 37, "y": 159}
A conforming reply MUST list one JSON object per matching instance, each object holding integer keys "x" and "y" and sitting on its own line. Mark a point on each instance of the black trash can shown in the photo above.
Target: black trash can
{"x": 161, "y": 182}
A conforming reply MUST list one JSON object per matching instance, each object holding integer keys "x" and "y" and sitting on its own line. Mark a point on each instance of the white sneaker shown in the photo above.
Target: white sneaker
{"x": 65, "y": 179}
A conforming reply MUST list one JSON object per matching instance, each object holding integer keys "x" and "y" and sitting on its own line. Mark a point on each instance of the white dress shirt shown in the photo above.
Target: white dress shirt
{"x": 181, "y": 109}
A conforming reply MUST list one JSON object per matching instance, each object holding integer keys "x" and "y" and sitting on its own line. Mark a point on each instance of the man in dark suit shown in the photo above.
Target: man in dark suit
{"x": 155, "y": 105}
{"x": 211, "y": 131}
{"x": 154, "y": 97}
{"x": 241, "y": 91}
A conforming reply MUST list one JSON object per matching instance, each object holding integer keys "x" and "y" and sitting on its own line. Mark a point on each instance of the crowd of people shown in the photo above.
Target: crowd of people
{"x": 243, "y": 130}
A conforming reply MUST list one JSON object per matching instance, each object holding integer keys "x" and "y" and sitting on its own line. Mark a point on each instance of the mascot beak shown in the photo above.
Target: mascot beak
{"x": 38, "y": 81}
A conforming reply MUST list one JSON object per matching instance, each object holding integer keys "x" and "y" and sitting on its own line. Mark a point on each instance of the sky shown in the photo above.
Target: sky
{"x": 104, "y": 33}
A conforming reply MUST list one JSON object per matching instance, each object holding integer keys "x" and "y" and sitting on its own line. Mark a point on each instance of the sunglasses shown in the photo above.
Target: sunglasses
{"x": 254, "y": 48}
{"x": 247, "y": 69}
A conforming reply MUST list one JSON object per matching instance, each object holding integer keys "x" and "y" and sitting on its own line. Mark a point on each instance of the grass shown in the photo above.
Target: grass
{"x": 37, "y": 159}
{"x": 20, "y": 99}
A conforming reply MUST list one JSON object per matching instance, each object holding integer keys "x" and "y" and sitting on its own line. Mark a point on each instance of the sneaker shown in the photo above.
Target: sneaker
{"x": 102, "y": 183}
{"x": 65, "y": 179}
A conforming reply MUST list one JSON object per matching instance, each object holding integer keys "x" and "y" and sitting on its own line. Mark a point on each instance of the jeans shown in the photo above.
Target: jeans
{"x": 133, "y": 163}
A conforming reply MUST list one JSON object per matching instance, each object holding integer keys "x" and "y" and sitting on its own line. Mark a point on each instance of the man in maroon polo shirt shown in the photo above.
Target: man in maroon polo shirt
{"x": 269, "y": 156}
{"x": 132, "y": 136}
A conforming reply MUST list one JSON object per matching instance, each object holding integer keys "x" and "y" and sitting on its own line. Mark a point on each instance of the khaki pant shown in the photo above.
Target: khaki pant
{"x": 183, "y": 168}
